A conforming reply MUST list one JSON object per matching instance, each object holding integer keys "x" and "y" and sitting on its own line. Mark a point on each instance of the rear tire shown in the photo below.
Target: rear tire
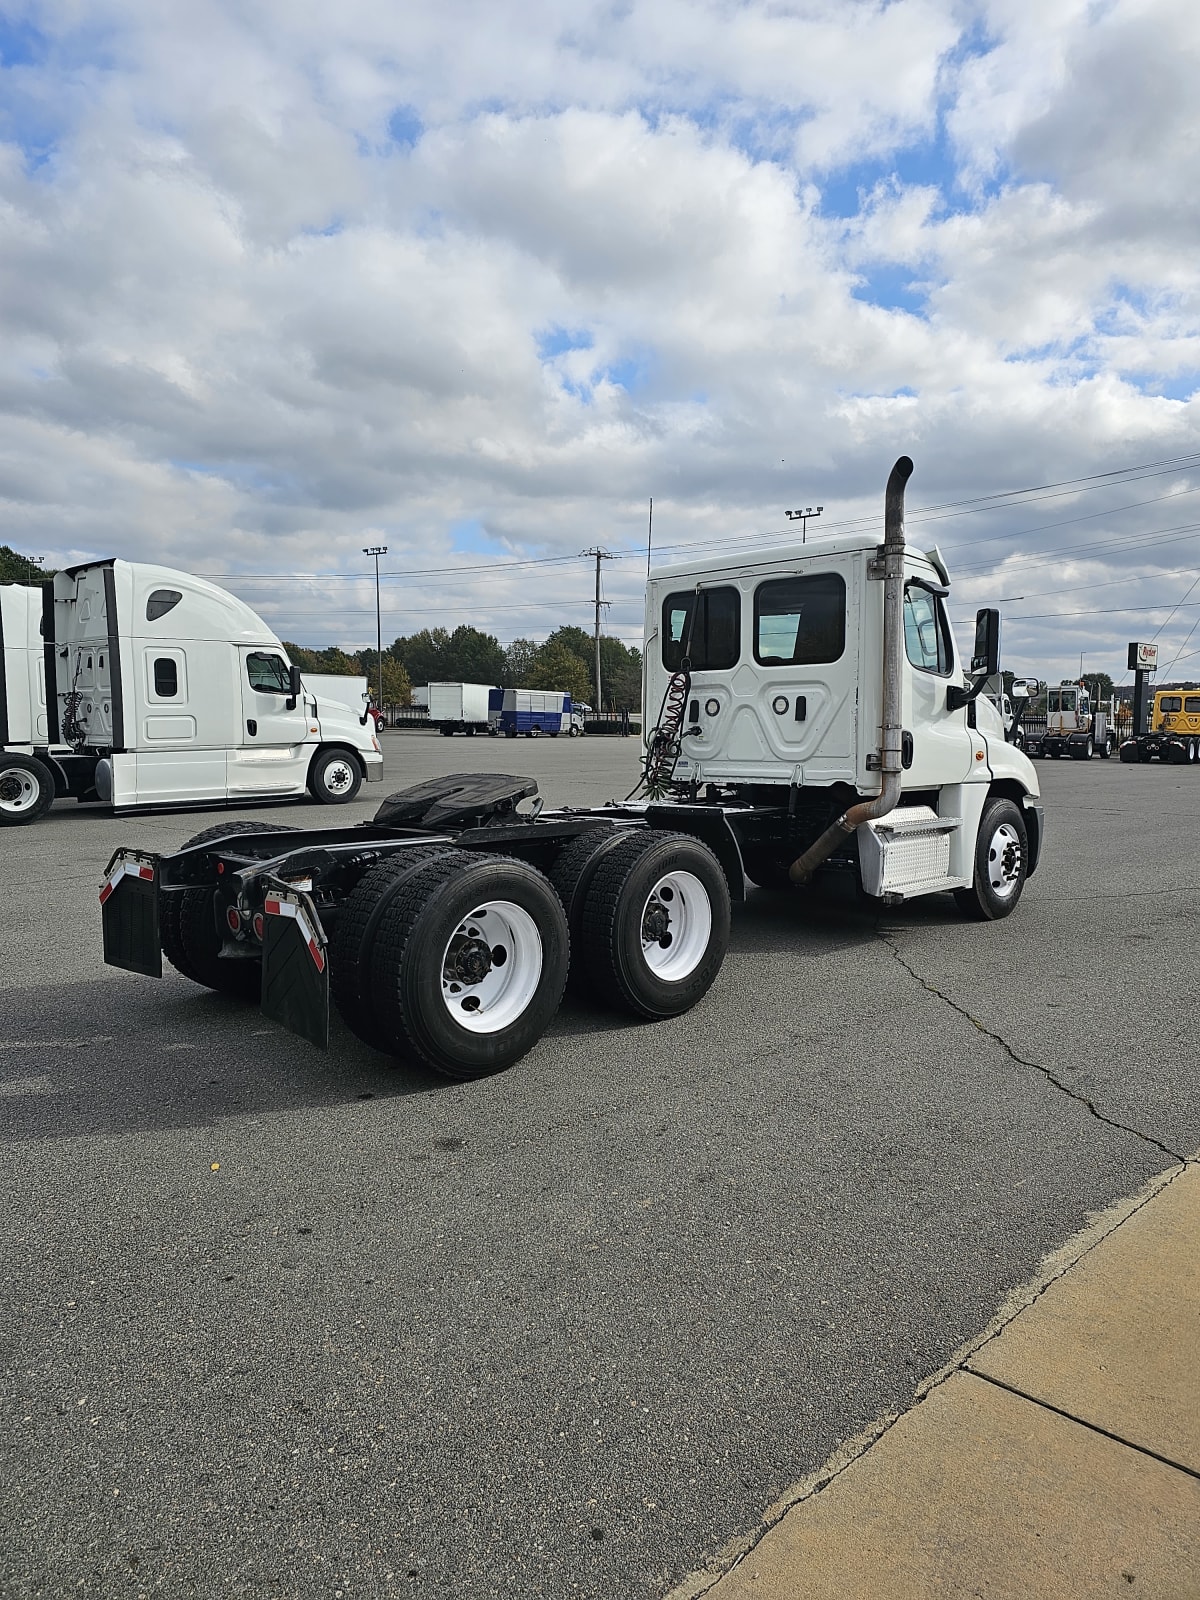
{"x": 353, "y": 942}
{"x": 26, "y": 789}
{"x": 335, "y": 777}
{"x": 656, "y": 924}
{"x": 572, "y": 876}
{"x": 469, "y": 964}
{"x": 187, "y": 927}
{"x": 1001, "y": 863}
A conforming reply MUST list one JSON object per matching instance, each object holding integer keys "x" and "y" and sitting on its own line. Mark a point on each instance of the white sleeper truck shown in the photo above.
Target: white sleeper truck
{"x": 165, "y": 690}
{"x": 813, "y": 716}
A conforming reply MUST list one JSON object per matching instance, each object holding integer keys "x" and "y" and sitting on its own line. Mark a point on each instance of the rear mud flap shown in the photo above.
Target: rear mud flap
{"x": 129, "y": 913}
{"x": 295, "y": 968}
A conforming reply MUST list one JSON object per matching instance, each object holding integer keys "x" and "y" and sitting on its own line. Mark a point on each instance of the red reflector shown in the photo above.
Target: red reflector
{"x": 145, "y": 872}
{"x": 232, "y": 918}
{"x": 259, "y": 924}
{"x": 106, "y": 891}
{"x": 220, "y": 866}
{"x": 271, "y": 907}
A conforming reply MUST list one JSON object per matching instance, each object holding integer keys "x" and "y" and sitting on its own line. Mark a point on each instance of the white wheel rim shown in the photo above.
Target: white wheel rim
{"x": 491, "y": 967}
{"x": 676, "y": 926}
{"x": 1004, "y": 861}
{"x": 339, "y": 778}
{"x": 18, "y": 790}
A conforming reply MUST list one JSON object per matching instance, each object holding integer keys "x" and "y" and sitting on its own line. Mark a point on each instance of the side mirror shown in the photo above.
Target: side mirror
{"x": 293, "y": 687}
{"x": 986, "y": 656}
{"x": 1019, "y": 690}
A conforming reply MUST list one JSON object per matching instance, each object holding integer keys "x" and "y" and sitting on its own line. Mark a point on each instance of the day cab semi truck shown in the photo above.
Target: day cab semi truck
{"x": 1174, "y": 732}
{"x": 811, "y": 715}
{"x": 1075, "y": 726}
{"x": 165, "y": 690}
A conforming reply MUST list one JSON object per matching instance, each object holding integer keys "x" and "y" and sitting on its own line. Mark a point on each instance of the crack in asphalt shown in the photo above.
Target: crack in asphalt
{"x": 1023, "y": 1061}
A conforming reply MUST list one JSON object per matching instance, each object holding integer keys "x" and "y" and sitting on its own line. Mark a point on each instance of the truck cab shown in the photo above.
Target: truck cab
{"x": 166, "y": 690}
{"x": 779, "y": 662}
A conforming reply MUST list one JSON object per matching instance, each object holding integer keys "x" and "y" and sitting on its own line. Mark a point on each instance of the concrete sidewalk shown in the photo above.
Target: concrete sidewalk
{"x": 1060, "y": 1459}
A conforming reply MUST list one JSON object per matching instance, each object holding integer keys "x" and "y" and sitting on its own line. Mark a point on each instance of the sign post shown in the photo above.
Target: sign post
{"x": 1143, "y": 659}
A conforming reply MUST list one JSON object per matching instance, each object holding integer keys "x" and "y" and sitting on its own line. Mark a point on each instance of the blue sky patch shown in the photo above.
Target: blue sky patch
{"x": 405, "y": 127}
{"x": 893, "y": 288}
{"x": 21, "y": 44}
{"x": 555, "y": 341}
{"x": 470, "y": 537}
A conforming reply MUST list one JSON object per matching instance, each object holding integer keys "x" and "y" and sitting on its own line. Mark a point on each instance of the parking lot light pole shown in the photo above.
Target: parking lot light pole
{"x": 378, "y": 550}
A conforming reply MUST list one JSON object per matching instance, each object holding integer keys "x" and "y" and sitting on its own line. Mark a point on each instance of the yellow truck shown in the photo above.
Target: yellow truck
{"x": 1174, "y": 733}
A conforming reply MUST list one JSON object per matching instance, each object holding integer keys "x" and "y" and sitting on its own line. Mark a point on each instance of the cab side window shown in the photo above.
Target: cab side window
{"x": 166, "y": 678}
{"x": 926, "y": 631}
{"x": 268, "y": 674}
{"x": 704, "y": 627}
{"x": 1192, "y": 704}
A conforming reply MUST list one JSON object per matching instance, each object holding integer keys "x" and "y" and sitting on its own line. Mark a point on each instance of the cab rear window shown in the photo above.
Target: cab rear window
{"x": 706, "y": 628}
{"x": 1170, "y": 702}
{"x": 800, "y": 622}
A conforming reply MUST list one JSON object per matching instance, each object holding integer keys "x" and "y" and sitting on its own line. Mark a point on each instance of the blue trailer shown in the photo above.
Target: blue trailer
{"x": 534, "y": 712}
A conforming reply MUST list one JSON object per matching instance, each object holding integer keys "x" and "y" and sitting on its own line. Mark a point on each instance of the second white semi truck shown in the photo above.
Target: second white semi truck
{"x": 164, "y": 690}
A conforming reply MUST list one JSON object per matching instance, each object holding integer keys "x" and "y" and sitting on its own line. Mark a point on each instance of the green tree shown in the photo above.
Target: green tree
{"x": 620, "y": 675}
{"x": 397, "y": 688}
{"x": 519, "y": 661}
{"x": 424, "y": 656}
{"x": 557, "y": 667}
{"x": 16, "y": 568}
{"x": 299, "y": 656}
{"x": 476, "y": 657}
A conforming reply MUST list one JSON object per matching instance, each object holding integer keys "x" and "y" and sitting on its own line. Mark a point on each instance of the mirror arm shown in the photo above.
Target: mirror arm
{"x": 957, "y": 698}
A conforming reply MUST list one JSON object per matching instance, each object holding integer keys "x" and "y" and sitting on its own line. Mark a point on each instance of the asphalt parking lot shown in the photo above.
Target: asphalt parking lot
{"x": 282, "y": 1323}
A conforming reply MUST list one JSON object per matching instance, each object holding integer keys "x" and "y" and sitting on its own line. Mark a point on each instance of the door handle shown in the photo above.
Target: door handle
{"x": 251, "y": 726}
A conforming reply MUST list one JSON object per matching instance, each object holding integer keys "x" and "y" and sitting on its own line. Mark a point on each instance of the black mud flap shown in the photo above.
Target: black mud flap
{"x": 295, "y": 968}
{"x": 129, "y": 912}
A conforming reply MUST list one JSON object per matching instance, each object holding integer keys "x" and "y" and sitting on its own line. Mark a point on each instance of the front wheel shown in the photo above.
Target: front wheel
{"x": 26, "y": 789}
{"x": 469, "y": 964}
{"x": 655, "y": 924}
{"x": 1001, "y": 863}
{"x": 334, "y": 778}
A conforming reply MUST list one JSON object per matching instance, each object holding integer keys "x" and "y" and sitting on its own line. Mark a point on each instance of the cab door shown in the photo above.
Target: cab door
{"x": 271, "y": 754}
{"x": 943, "y": 744}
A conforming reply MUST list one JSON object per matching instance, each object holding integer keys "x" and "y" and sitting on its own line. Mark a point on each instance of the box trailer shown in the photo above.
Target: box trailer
{"x": 460, "y": 707}
{"x": 813, "y": 716}
{"x": 162, "y": 689}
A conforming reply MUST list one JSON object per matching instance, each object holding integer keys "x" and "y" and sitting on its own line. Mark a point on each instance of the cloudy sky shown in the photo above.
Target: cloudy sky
{"x": 476, "y": 279}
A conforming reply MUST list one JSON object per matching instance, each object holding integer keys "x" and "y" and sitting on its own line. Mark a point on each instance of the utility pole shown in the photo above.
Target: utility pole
{"x": 803, "y": 518}
{"x": 600, "y": 555}
{"x": 649, "y": 537}
{"x": 378, "y": 550}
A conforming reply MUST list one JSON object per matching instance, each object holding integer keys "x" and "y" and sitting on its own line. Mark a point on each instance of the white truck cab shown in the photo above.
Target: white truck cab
{"x": 167, "y": 691}
{"x": 778, "y": 665}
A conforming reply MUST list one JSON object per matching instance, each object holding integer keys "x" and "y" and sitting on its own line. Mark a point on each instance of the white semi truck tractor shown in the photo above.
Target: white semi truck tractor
{"x": 809, "y": 713}
{"x": 164, "y": 690}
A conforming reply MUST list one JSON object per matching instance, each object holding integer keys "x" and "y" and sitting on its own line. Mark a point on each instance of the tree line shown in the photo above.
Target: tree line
{"x": 566, "y": 661}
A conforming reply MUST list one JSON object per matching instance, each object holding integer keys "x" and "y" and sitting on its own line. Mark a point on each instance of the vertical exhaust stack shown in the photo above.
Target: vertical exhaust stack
{"x": 802, "y": 869}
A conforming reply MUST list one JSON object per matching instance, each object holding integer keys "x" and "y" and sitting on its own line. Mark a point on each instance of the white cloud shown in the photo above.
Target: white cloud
{"x": 278, "y": 283}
